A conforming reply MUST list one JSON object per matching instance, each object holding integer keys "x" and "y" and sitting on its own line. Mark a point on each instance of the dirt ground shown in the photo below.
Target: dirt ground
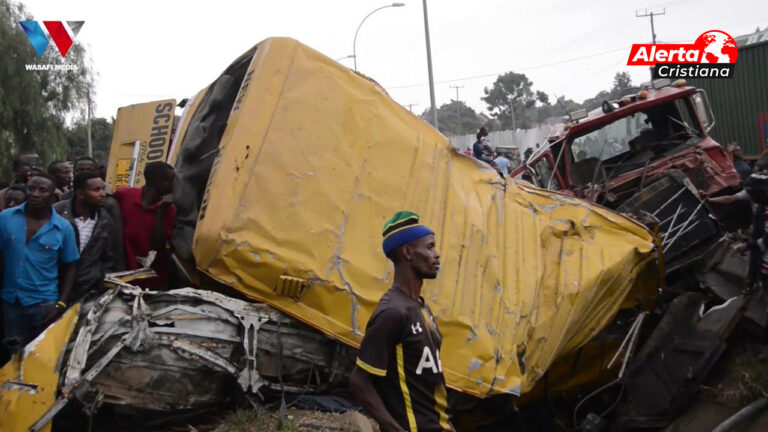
{"x": 261, "y": 420}
{"x": 739, "y": 379}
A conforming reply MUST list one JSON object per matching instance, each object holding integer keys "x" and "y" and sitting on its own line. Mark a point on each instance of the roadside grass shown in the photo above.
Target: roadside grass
{"x": 255, "y": 420}
{"x": 261, "y": 419}
{"x": 744, "y": 377}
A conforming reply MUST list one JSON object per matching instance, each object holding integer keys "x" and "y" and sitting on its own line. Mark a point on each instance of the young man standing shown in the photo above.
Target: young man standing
{"x": 95, "y": 231}
{"x": 62, "y": 175}
{"x": 22, "y": 167}
{"x": 82, "y": 165}
{"x": 148, "y": 216}
{"x": 398, "y": 378}
{"x": 34, "y": 241}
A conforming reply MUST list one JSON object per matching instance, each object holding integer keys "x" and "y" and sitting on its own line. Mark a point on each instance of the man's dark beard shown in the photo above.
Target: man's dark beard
{"x": 425, "y": 275}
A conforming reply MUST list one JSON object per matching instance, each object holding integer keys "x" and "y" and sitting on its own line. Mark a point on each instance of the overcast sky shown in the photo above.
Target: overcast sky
{"x": 147, "y": 50}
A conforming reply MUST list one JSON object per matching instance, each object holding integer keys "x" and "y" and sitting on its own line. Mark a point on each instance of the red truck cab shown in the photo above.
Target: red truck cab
{"x": 613, "y": 152}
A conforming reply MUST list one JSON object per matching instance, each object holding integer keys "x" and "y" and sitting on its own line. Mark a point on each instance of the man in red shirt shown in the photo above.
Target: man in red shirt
{"x": 148, "y": 215}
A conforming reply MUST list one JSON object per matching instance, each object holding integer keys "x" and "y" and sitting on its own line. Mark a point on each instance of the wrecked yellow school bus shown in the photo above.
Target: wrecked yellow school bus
{"x": 142, "y": 135}
{"x": 288, "y": 165}
{"x": 315, "y": 157}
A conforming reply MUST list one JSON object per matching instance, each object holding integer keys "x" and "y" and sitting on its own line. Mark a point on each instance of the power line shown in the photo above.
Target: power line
{"x": 457, "y": 87}
{"x": 519, "y": 69}
{"x": 546, "y": 64}
{"x": 646, "y": 14}
{"x": 653, "y": 31}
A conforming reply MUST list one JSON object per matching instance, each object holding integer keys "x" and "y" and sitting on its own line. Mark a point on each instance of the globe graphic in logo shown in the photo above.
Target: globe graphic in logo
{"x": 717, "y": 47}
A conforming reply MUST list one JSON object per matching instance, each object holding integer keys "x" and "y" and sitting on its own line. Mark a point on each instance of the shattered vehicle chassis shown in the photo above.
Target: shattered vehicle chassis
{"x": 188, "y": 348}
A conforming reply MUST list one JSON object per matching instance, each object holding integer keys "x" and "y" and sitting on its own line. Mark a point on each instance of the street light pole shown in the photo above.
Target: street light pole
{"x": 354, "y": 41}
{"x": 429, "y": 67}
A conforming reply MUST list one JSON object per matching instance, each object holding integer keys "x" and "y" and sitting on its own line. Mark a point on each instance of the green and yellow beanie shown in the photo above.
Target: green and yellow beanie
{"x": 401, "y": 229}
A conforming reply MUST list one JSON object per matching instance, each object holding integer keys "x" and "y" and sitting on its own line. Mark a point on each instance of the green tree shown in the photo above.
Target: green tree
{"x": 491, "y": 124}
{"x": 557, "y": 109}
{"x": 509, "y": 100}
{"x": 101, "y": 139}
{"x": 622, "y": 85}
{"x": 568, "y": 105}
{"x": 622, "y": 81}
{"x": 455, "y": 118}
{"x": 542, "y": 97}
{"x": 597, "y": 100}
{"x": 35, "y": 104}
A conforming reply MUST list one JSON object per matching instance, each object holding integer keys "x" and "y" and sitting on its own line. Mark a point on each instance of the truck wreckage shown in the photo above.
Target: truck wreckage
{"x": 287, "y": 165}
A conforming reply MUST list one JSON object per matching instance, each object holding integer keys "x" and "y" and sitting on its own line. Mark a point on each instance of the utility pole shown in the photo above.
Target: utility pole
{"x": 513, "y": 114}
{"x": 653, "y": 30}
{"x": 410, "y": 106}
{"x": 90, "y": 145}
{"x": 512, "y": 111}
{"x": 457, "y": 90}
{"x": 457, "y": 99}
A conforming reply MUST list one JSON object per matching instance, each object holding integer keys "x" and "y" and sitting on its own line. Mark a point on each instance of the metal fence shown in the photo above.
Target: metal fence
{"x": 740, "y": 103}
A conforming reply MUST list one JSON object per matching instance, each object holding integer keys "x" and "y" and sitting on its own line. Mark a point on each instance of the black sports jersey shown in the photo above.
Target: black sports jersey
{"x": 401, "y": 348}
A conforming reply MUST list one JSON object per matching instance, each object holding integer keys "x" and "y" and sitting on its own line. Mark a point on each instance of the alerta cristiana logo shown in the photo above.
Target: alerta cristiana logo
{"x": 62, "y": 33}
{"x": 712, "y": 55}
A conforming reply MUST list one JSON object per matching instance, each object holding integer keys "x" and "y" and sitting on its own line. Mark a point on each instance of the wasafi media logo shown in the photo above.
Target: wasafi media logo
{"x": 712, "y": 55}
{"x": 63, "y": 34}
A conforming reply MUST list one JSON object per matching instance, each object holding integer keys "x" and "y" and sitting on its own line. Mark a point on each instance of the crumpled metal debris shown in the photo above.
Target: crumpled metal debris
{"x": 188, "y": 348}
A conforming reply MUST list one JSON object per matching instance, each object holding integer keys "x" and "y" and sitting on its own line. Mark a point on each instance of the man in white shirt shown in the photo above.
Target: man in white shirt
{"x": 96, "y": 232}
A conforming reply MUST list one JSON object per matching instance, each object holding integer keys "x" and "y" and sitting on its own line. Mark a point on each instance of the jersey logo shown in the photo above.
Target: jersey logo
{"x": 416, "y": 328}
{"x": 429, "y": 362}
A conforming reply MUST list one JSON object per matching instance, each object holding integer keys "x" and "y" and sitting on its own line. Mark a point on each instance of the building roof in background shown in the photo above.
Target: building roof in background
{"x": 756, "y": 38}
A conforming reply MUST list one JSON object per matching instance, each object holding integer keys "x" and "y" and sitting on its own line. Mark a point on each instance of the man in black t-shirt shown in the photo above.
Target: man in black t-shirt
{"x": 479, "y": 147}
{"x": 398, "y": 378}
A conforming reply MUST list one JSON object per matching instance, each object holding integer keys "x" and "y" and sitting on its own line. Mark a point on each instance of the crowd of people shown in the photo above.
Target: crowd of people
{"x": 62, "y": 230}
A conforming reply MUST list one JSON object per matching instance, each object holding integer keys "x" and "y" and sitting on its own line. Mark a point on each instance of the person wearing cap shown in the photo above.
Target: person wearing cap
{"x": 398, "y": 376}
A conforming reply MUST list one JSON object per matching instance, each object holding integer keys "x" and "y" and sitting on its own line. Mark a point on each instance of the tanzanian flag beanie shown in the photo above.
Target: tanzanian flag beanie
{"x": 401, "y": 229}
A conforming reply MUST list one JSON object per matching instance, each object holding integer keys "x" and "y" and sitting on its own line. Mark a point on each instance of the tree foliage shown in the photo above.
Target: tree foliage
{"x": 622, "y": 84}
{"x": 511, "y": 98}
{"x": 101, "y": 139}
{"x": 622, "y": 81}
{"x": 514, "y": 103}
{"x": 455, "y": 118}
{"x": 34, "y": 105}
